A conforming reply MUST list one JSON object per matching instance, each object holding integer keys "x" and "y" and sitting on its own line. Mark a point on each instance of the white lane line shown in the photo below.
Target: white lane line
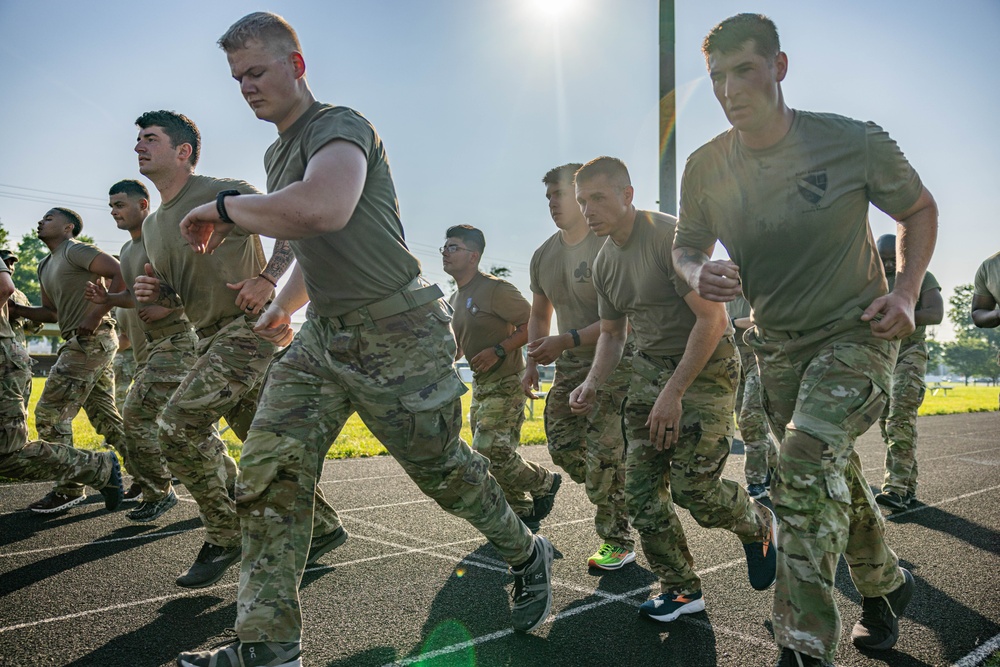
{"x": 147, "y": 535}
{"x": 942, "y": 502}
{"x": 363, "y": 479}
{"x": 94, "y": 543}
{"x": 193, "y": 593}
{"x": 984, "y": 651}
{"x": 982, "y": 462}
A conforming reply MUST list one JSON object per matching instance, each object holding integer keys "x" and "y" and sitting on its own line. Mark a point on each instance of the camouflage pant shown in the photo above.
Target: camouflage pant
{"x": 168, "y": 361}
{"x": 591, "y": 448}
{"x": 899, "y": 419}
{"x": 821, "y": 391}
{"x": 759, "y": 449}
{"x": 81, "y": 377}
{"x": 495, "y": 417}
{"x": 398, "y": 376}
{"x": 690, "y": 472}
{"x": 38, "y": 460}
{"x": 124, "y": 368}
{"x": 228, "y": 366}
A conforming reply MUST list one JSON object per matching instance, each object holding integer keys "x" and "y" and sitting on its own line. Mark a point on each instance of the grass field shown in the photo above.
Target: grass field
{"x": 357, "y": 440}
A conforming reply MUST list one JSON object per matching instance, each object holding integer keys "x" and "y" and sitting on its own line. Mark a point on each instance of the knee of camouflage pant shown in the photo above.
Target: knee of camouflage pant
{"x": 271, "y": 475}
{"x": 51, "y": 429}
{"x": 810, "y": 491}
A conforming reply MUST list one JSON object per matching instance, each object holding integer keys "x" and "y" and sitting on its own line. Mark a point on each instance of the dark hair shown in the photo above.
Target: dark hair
{"x": 178, "y": 127}
{"x": 612, "y": 167}
{"x": 730, "y": 36}
{"x": 562, "y": 174}
{"x": 129, "y": 187}
{"x": 74, "y": 217}
{"x": 886, "y": 242}
{"x": 469, "y": 235}
{"x": 265, "y": 27}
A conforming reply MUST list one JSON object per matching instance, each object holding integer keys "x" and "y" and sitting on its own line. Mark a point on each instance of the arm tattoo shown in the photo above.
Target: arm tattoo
{"x": 169, "y": 298}
{"x": 281, "y": 259}
{"x": 692, "y": 256}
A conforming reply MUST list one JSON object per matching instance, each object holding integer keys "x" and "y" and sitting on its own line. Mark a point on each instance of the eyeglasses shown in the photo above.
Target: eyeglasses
{"x": 452, "y": 248}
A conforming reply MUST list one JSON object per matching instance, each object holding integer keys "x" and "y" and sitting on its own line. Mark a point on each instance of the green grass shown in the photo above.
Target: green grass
{"x": 356, "y": 440}
{"x": 960, "y": 399}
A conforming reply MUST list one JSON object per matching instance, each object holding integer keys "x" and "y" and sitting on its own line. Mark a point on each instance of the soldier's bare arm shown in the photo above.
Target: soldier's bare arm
{"x": 714, "y": 280}
{"x": 610, "y": 346}
{"x": 45, "y": 313}
{"x": 931, "y": 308}
{"x": 275, "y": 324}
{"x": 254, "y": 293}
{"x": 985, "y": 313}
{"x": 916, "y": 234}
{"x": 6, "y": 286}
{"x": 322, "y": 202}
{"x": 665, "y": 418}
{"x": 539, "y": 325}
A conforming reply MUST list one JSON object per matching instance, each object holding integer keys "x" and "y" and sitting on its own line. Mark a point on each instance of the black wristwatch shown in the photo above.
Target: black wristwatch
{"x": 220, "y": 204}
{"x": 500, "y": 352}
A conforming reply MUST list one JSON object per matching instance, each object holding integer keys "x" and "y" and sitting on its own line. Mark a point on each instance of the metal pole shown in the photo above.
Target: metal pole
{"x": 668, "y": 111}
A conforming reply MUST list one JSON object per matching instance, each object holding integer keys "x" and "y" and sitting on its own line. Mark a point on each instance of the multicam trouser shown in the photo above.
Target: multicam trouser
{"x": 36, "y": 461}
{"x": 899, "y": 418}
{"x": 168, "y": 362}
{"x": 591, "y": 448}
{"x": 398, "y": 376}
{"x": 495, "y": 417}
{"x": 124, "y": 368}
{"x": 822, "y": 389}
{"x": 759, "y": 449}
{"x": 689, "y": 472}
{"x": 227, "y": 367}
{"x": 81, "y": 377}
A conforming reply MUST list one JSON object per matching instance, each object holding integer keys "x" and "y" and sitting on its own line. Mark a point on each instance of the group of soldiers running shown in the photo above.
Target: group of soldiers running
{"x": 647, "y": 359}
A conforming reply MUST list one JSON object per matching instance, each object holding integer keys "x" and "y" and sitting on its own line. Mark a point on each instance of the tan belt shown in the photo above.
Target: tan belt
{"x": 72, "y": 332}
{"x": 400, "y": 302}
{"x": 212, "y": 329}
{"x": 152, "y": 336}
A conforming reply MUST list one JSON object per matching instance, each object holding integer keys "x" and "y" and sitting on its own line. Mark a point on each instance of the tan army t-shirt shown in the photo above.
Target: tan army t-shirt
{"x": 130, "y": 323}
{"x": 638, "y": 280}
{"x": 987, "y": 281}
{"x": 794, "y": 216}
{"x": 200, "y": 280}
{"x": 64, "y": 275}
{"x": 487, "y": 310}
{"x": 367, "y": 260}
{"x": 563, "y": 273}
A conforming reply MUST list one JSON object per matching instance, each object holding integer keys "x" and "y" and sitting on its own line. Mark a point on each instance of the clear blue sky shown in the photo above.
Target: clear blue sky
{"x": 476, "y": 100}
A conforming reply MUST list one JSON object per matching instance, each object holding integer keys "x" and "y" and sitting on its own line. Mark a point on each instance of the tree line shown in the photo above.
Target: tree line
{"x": 974, "y": 352}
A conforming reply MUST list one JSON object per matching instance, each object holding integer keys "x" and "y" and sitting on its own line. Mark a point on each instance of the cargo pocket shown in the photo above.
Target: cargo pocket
{"x": 434, "y": 417}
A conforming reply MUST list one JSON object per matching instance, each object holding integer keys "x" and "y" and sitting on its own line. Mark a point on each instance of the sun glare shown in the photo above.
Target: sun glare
{"x": 551, "y": 8}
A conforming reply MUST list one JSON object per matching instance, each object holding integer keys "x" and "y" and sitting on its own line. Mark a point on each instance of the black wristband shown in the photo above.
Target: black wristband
{"x": 500, "y": 352}
{"x": 576, "y": 337}
{"x": 220, "y": 204}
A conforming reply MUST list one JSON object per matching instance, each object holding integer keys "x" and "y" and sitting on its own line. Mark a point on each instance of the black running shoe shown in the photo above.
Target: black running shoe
{"x": 114, "y": 490}
{"x": 211, "y": 563}
{"x": 878, "y": 628}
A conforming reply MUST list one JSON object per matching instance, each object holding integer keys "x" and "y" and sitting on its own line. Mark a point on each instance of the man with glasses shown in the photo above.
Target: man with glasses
{"x": 490, "y": 325}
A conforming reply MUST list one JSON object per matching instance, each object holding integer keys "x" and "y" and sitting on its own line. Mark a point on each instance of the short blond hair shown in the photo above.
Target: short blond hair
{"x": 265, "y": 27}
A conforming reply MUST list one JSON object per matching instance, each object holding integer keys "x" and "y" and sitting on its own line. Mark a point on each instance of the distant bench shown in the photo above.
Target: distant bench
{"x": 937, "y": 386}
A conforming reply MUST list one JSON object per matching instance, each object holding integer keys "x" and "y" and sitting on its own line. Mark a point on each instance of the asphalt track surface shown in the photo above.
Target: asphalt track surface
{"x": 415, "y": 586}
